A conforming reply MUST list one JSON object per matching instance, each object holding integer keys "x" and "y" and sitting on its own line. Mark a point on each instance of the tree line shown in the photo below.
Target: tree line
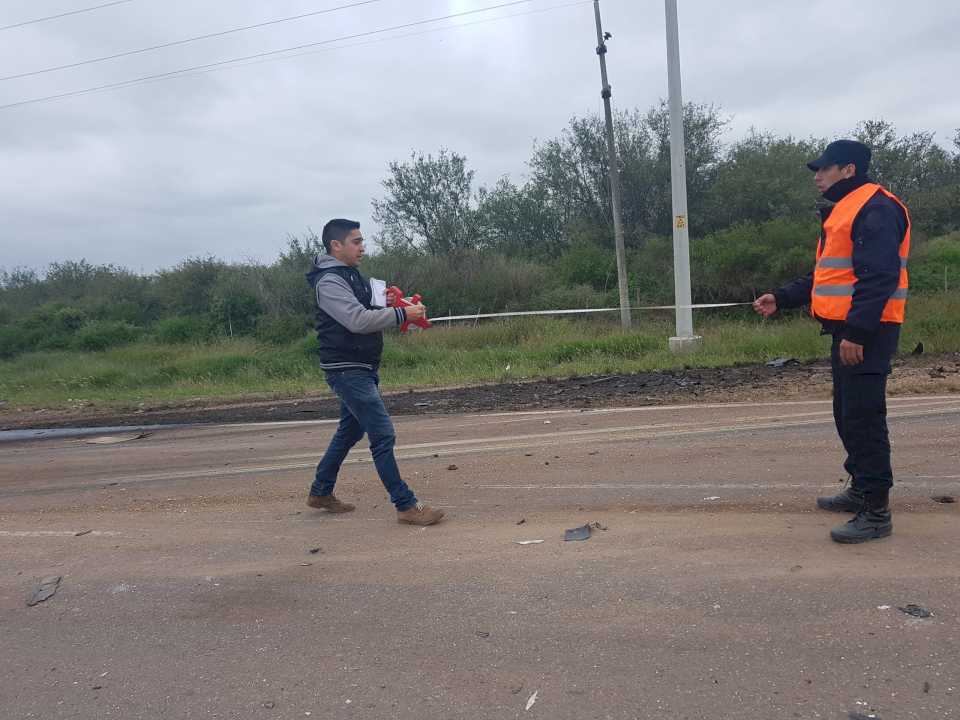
{"x": 540, "y": 243}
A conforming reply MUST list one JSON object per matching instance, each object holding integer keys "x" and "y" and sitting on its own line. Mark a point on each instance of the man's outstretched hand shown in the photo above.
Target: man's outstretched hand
{"x": 766, "y": 304}
{"x": 415, "y": 312}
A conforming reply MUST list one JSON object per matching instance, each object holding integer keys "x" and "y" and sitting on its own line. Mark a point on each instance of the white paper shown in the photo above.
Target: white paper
{"x": 379, "y": 288}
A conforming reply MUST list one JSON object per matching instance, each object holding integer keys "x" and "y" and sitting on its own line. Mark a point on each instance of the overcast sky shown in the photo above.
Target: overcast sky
{"x": 228, "y": 163}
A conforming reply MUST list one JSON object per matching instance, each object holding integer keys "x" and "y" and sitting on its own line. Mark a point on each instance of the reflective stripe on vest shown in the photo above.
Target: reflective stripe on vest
{"x": 834, "y": 279}
{"x": 839, "y": 262}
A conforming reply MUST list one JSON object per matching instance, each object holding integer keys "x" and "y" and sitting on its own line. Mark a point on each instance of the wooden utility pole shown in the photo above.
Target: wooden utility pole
{"x": 614, "y": 175}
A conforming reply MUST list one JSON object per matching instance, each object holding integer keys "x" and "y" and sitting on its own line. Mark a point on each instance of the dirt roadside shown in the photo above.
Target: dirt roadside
{"x": 921, "y": 374}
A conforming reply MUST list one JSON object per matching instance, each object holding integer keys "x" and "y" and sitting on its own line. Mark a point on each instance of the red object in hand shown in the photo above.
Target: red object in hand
{"x": 396, "y": 299}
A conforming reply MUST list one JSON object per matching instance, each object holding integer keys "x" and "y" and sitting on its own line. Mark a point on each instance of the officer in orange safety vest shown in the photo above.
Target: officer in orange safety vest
{"x": 858, "y": 292}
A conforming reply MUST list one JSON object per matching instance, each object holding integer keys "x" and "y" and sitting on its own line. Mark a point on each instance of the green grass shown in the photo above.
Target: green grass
{"x": 151, "y": 374}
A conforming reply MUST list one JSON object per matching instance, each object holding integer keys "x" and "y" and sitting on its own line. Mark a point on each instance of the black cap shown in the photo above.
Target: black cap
{"x": 843, "y": 152}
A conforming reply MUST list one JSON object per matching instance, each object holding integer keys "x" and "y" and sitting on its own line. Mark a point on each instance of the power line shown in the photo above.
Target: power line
{"x": 174, "y": 73}
{"x": 174, "y": 43}
{"x": 64, "y": 14}
{"x": 403, "y": 36}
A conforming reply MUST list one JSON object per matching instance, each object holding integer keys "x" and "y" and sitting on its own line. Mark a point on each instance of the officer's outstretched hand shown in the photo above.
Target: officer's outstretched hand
{"x": 415, "y": 312}
{"x": 766, "y": 304}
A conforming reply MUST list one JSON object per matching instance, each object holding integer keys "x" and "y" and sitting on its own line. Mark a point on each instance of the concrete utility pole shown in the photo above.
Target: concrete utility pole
{"x": 614, "y": 176}
{"x": 685, "y": 339}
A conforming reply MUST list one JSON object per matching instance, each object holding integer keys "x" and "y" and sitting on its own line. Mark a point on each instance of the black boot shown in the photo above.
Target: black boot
{"x": 871, "y": 523}
{"x": 850, "y": 500}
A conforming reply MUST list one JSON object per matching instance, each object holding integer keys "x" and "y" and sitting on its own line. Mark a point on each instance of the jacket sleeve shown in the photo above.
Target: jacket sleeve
{"x": 794, "y": 294}
{"x": 876, "y": 263}
{"x": 335, "y": 298}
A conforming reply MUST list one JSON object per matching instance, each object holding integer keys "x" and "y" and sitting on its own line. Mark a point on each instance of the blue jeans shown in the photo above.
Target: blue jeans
{"x": 362, "y": 411}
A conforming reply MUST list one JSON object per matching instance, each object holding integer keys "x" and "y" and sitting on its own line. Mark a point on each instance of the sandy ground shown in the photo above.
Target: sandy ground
{"x": 196, "y": 584}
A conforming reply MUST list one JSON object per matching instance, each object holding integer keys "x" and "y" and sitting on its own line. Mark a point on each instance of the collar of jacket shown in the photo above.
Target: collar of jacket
{"x": 840, "y": 189}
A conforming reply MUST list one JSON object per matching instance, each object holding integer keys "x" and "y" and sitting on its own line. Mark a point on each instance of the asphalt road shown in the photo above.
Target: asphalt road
{"x": 189, "y": 589}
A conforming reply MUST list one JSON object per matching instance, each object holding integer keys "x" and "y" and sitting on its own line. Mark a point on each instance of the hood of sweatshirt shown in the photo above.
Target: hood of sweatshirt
{"x": 321, "y": 262}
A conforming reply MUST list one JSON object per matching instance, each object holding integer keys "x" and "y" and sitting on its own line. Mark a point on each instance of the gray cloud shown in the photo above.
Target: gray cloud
{"x": 228, "y": 163}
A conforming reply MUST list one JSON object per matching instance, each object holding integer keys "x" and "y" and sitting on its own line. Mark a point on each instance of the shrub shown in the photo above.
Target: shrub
{"x": 182, "y": 329}
{"x": 281, "y": 330}
{"x": 105, "y": 334}
{"x": 936, "y": 262}
{"x": 14, "y": 340}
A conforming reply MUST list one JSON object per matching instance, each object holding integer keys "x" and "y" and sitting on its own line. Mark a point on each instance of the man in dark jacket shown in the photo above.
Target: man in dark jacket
{"x": 350, "y": 331}
{"x": 858, "y": 293}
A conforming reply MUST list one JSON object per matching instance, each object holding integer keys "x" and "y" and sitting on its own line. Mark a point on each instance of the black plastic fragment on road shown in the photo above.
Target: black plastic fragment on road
{"x": 45, "y": 590}
{"x": 854, "y": 715}
{"x": 915, "y": 611}
{"x": 945, "y": 499}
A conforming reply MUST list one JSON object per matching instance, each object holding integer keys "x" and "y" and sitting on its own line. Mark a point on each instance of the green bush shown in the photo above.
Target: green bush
{"x": 104, "y": 334}
{"x": 586, "y": 263}
{"x": 281, "y": 330}
{"x": 742, "y": 261}
{"x": 54, "y": 340}
{"x": 14, "y": 340}
{"x": 566, "y": 296}
{"x": 308, "y": 346}
{"x": 182, "y": 329}
{"x": 935, "y": 263}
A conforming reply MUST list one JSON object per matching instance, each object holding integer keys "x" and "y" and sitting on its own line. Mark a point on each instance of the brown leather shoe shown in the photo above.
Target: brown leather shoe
{"x": 329, "y": 503}
{"x": 420, "y": 514}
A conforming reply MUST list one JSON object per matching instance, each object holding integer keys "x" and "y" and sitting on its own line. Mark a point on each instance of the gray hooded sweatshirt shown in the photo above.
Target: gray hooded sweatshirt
{"x": 337, "y": 299}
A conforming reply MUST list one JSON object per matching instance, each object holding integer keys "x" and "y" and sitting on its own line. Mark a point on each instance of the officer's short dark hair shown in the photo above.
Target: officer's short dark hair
{"x": 337, "y": 229}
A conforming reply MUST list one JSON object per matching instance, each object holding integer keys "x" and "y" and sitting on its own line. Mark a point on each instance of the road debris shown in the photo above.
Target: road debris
{"x": 82, "y": 533}
{"x": 781, "y": 362}
{"x": 115, "y": 439}
{"x": 451, "y": 467}
{"x": 528, "y": 542}
{"x": 577, "y": 533}
{"x": 482, "y": 634}
{"x": 521, "y": 521}
{"x": 945, "y": 499}
{"x": 532, "y": 699}
{"x": 314, "y": 551}
{"x": 45, "y": 590}
{"x": 915, "y": 611}
{"x": 712, "y": 497}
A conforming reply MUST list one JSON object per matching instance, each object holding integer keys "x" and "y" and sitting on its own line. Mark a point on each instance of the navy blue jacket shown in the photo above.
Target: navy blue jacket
{"x": 877, "y": 233}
